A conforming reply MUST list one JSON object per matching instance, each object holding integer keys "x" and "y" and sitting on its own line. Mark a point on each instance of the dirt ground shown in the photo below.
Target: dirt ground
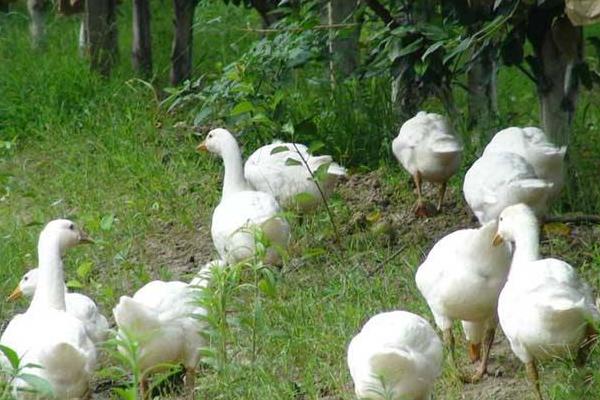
{"x": 378, "y": 204}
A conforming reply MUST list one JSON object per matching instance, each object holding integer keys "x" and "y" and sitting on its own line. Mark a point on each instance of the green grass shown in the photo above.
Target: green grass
{"x": 104, "y": 153}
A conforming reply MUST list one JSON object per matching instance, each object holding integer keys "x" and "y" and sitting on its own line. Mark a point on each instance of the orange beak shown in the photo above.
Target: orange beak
{"x": 84, "y": 238}
{"x": 498, "y": 240}
{"x": 16, "y": 294}
{"x": 202, "y": 146}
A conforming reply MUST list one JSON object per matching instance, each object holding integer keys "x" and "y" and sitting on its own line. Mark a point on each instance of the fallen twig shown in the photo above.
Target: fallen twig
{"x": 387, "y": 260}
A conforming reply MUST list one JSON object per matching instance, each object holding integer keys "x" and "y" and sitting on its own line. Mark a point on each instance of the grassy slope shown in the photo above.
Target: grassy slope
{"x": 95, "y": 150}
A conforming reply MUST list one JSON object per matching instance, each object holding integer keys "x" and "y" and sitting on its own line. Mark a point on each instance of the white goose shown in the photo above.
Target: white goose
{"x": 77, "y": 304}
{"x": 243, "y": 210}
{"x": 545, "y": 310}
{"x": 165, "y": 320}
{"x": 281, "y": 169}
{"x": 498, "y": 180}
{"x": 397, "y": 355}
{"x": 428, "y": 148}
{"x": 461, "y": 279}
{"x": 533, "y": 145}
{"x": 46, "y": 334}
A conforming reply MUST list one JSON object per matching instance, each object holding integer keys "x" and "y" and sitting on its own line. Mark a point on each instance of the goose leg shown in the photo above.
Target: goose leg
{"x": 532, "y": 375}
{"x": 144, "y": 392}
{"x": 441, "y": 198}
{"x": 421, "y": 207}
{"x": 487, "y": 345}
{"x": 474, "y": 352}
{"x": 190, "y": 381}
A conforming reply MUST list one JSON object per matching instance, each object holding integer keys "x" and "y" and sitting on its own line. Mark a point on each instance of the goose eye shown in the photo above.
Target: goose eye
{"x": 71, "y": 227}
{"x": 26, "y": 278}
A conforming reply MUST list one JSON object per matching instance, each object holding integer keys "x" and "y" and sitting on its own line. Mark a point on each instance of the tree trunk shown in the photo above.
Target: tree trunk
{"x": 407, "y": 96}
{"x": 37, "y": 23}
{"x": 558, "y": 49}
{"x": 141, "y": 53}
{"x": 482, "y": 102}
{"x": 343, "y": 43}
{"x": 84, "y": 37}
{"x": 181, "y": 53}
{"x": 102, "y": 31}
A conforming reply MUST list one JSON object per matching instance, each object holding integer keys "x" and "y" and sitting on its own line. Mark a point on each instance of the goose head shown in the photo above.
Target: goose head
{"x": 217, "y": 141}
{"x": 513, "y": 219}
{"x": 65, "y": 233}
{"x": 26, "y": 286}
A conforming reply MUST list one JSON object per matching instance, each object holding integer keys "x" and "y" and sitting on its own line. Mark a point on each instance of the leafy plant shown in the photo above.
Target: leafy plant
{"x": 14, "y": 372}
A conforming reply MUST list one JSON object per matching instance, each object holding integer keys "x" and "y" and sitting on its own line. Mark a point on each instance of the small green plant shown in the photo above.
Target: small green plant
{"x": 233, "y": 304}
{"x": 124, "y": 348}
{"x": 14, "y": 371}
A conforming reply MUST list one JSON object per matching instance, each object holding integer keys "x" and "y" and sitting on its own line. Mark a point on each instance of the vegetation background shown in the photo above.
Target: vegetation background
{"x": 117, "y": 155}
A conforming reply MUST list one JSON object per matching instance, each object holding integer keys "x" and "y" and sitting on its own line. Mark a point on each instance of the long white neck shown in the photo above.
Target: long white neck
{"x": 234, "y": 180}
{"x": 527, "y": 246}
{"x": 50, "y": 290}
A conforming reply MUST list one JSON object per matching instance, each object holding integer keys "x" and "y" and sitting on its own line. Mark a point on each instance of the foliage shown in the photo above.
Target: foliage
{"x": 233, "y": 300}
{"x": 250, "y": 93}
{"x": 11, "y": 371}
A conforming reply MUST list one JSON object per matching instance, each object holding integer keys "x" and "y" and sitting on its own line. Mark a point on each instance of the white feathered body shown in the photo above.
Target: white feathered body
{"x": 236, "y": 219}
{"x": 281, "y": 170}
{"x": 498, "y": 180}
{"x": 56, "y": 341}
{"x": 84, "y": 309}
{"x": 461, "y": 279}
{"x": 427, "y": 144}
{"x": 399, "y": 348}
{"x": 544, "y": 310}
{"x": 533, "y": 145}
{"x": 161, "y": 316}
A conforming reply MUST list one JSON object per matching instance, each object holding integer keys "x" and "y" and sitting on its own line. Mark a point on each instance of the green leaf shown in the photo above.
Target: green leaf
{"x": 303, "y": 198}
{"x": 84, "y": 269}
{"x": 288, "y": 128}
{"x": 74, "y": 284}
{"x": 106, "y": 222}
{"x": 279, "y": 149}
{"x": 12, "y": 356}
{"x": 126, "y": 394}
{"x": 315, "y": 146}
{"x": 313, "y": 252}
{"x": 267, "y": 287}
{"x": 431, "y": 49}
{"x": 202, "y": 115}
{"x": 39, "y": 385}
{"x": 241, "y": 108}
{"x": 321, "y": 173}
{"x": 291, "y": 162}
{"x": 399, "y": 51}
{"x": 462, "y": 46}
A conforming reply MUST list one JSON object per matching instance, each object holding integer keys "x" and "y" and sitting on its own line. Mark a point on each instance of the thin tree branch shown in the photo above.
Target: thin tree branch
{"x": 316, "y": 27}
{"x": 329, "y": 213}
{"x": 527, "y": 73}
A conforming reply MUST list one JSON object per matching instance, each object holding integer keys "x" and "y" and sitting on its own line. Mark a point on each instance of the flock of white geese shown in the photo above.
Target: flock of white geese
{"x": 477, "y": 276}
